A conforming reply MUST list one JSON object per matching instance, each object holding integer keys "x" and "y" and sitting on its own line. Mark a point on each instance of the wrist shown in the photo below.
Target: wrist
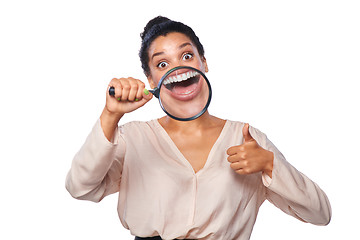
{"x": 109, "y": 117}
{"x": 109, "y": 122}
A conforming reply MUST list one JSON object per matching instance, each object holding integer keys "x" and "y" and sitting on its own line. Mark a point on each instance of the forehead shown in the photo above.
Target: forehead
{"x": 169, "y": 42}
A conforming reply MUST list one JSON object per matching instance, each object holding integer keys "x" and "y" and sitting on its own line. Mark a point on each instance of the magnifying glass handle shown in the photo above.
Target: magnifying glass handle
{"x": 112, "y": 91}
{"x": 154, "y": 91}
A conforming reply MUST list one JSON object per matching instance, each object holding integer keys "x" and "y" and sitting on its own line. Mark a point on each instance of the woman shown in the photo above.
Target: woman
{"x": 202, "y": 179}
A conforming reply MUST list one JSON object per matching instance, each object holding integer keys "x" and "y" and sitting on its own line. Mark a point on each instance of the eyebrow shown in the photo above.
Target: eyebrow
{"x": 157, "y": 54}
{"x": 181, "y": 46}
{"x": 184, "y": 45}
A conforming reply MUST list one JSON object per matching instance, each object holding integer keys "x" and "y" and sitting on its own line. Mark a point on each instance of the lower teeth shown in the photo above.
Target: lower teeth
{"x": 185, "y": 93}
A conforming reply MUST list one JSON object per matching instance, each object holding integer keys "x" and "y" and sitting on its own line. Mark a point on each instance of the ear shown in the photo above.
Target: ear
{"x": 151, "y": 82}
{"x": 203, "y": 59}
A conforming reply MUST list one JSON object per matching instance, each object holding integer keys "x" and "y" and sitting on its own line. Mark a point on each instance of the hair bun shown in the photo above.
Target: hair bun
{"x": 161, "y": 26}
{"x": 155, "y": 21}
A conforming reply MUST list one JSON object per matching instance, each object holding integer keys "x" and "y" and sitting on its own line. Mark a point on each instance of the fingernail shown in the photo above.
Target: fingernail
{"x": 136, "y": 99}
{"x": 146, "y": 91}
{"x": 118, "y": 99}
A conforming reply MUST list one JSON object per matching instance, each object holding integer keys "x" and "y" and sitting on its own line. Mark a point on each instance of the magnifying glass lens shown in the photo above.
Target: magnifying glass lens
{"x": 185, "y": 93}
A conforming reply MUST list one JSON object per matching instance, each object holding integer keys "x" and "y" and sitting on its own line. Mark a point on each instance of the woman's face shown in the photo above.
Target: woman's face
{"x": 184, "y": 92}
{"x": 173, "y": 50}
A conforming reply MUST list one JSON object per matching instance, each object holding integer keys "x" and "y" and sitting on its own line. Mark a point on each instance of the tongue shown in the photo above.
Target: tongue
{"x": 183, "y": 89}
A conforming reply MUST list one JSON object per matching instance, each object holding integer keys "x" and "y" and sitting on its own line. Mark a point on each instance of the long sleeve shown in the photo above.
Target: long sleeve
{"x": 153, "y": 176}
{"x": 97, "y": 168}
{"x": 292, "y": 191}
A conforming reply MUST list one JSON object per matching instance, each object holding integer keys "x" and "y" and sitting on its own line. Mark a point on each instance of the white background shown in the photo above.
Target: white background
{"x": 289, "y": 68}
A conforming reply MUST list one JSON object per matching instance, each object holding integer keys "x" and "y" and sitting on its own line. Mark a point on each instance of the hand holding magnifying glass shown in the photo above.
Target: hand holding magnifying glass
{"x": 184, "y": 93}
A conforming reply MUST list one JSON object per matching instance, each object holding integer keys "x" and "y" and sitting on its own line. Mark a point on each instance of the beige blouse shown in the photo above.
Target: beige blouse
{"x": 160, "y": 194}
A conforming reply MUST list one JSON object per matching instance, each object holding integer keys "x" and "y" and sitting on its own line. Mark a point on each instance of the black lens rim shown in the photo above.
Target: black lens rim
{"x": 157, "y": 93}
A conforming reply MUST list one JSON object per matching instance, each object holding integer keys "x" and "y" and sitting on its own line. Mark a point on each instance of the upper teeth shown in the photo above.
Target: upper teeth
{"x": 181, "y": 77}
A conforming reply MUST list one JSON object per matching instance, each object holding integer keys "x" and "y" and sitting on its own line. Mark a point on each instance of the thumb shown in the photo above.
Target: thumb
{"x": 246, "y": 133}
{"x": 146, "y": 96}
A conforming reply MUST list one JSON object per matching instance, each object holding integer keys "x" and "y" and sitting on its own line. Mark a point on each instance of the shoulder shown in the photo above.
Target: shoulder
{"x": 138, "y": 127}
{"x": 237, "y": 126}
{"x": 141, "y": 133}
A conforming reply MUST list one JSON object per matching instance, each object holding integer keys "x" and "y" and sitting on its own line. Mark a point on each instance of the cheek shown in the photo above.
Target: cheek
{"x": 154, "y": 80}
{"x": 201, "y": 65}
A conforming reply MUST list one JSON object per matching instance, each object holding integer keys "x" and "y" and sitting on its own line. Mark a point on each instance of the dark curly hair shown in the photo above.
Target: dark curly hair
{"x": 161, "y": 26}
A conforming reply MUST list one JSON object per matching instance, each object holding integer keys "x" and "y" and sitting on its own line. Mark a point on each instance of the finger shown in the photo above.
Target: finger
{"x": 140, "y": 91}
{"x": 142, "y": 101}
{"x": 133, "y": 90}
{"x": 126, "y": 87}
{"x": 243, "y": 171}
{"x": 233, "y": 158}
{"x": 235, "y": 149}
{"x": 246, "y": 133}
{"x": 232, "y": 150}
{"x": 236, "y": 166}
{"x": 146, "y": 94}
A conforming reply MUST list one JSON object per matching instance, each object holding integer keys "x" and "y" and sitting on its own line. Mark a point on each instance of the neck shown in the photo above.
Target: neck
{"x": 203, "y": 121}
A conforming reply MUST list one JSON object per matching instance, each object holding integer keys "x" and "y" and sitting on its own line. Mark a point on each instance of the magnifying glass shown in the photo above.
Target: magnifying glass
{"x": 184, "y": 93}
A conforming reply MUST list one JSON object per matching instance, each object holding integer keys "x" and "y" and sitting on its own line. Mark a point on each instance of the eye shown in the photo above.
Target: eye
{"x": 162, "y": 65}
{"x": 187, "y": 56}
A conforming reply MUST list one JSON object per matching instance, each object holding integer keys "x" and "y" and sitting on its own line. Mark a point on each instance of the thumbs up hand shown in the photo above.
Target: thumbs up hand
{"x": 250, "y": 157}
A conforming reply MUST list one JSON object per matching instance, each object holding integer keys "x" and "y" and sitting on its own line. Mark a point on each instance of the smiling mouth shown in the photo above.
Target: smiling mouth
{"x": 182, "y": 84}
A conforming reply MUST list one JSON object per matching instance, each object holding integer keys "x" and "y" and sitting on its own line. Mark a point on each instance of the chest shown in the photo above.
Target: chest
{"x": 196, "y": 148}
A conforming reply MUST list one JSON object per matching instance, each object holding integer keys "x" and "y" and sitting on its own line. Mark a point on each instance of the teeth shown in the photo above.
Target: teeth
{"x": 181, "y": 77}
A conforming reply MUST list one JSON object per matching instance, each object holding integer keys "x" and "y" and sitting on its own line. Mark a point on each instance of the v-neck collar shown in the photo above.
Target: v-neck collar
{"x": 179, "y": 154}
